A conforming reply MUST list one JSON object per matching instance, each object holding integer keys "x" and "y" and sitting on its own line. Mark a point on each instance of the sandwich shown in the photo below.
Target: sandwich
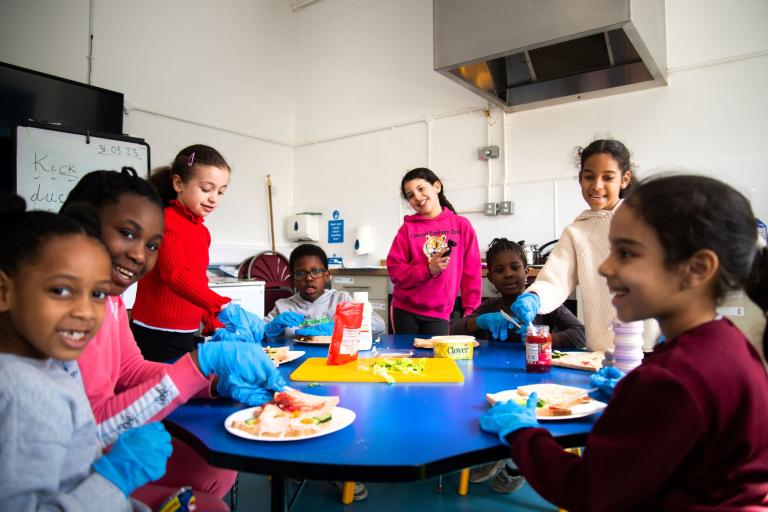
{"x": 277, "y": 354}
{"x": 290, "y": 413}
{"x": 553, "y": 399}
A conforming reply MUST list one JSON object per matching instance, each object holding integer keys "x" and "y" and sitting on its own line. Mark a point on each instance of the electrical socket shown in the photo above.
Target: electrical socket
{"x": 506, "y": 208}
{"x": 487, "y": 152}
{"x": 491, "y": 209}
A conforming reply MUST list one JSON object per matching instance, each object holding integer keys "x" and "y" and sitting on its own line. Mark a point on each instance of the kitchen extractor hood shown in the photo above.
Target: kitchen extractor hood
{"x": 523, "y": 54}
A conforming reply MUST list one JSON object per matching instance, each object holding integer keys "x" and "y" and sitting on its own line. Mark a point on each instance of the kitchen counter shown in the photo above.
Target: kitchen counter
{"x": 382, "y": 271}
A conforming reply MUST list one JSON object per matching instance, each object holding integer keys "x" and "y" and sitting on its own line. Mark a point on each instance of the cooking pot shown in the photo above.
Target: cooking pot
{"x": 534, "y": 254}
{"x": 531, "y": 252}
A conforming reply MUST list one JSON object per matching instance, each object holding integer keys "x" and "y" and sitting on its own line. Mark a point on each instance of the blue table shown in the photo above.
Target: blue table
{"x": 403, "y": 432}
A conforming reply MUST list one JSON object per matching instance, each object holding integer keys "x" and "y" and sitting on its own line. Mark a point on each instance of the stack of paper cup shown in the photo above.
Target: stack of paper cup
{"x": 628, "y": 345}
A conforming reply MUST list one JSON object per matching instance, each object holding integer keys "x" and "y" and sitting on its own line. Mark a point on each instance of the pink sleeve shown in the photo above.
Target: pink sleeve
{"x": 126, "y": 391}
{"x": 472, "y": 272}
{"x": 403, "y": 272}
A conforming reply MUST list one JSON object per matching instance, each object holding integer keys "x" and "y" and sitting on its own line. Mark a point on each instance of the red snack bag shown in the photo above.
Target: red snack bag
{"x": 346, "y": 333}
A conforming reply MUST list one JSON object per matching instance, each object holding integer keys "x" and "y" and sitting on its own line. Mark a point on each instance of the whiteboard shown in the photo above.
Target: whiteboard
{"x": 50, "y": 160}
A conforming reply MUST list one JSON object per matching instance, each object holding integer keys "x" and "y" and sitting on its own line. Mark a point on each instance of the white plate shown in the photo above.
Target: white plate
{"x": 578, "y": 411}
{"x": 340, "y": 418}
{"x": 318, "y": 340}
{"x": 293, "y": 355}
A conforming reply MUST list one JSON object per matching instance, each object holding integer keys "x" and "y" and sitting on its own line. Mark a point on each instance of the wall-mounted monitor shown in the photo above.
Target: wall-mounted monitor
{"x": 30, "y": 95}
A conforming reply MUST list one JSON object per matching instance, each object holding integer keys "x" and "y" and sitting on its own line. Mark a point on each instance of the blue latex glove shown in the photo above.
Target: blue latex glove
{"x": 525, "y": 308}
{"x": 605, "y": 380}
{"x": 278, "y": 324}
{"x": 232, "y": 386}
{"x": 507, "y": 417}
{"x": 325, "y": 329}
{"x": 248, "y": 361}
{"x": 240, "y": 324}
{"x": 495, "y": 323}
{"x": 138, "y": 457}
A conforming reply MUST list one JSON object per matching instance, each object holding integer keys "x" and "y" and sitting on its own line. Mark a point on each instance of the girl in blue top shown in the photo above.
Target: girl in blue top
{"x": 54, "y": 281}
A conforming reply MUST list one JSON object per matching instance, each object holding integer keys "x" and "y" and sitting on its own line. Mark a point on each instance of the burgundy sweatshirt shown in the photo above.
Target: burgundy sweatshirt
{"x": 686, "y": 430}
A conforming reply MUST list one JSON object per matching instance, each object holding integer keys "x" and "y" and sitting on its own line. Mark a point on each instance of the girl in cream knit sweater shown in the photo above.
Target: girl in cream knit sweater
{"x": 605, "y": 174}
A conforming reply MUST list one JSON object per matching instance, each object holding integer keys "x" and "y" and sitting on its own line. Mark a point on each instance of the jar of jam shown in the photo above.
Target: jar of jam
{"x": 538, "y": 349}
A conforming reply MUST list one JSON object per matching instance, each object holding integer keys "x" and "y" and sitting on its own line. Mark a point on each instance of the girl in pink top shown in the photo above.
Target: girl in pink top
{"x": 433, "y": 256}
{"x": 125, "y": 390}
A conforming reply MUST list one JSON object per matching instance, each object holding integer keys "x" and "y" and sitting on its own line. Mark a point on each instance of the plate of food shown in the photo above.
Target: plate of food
{"x": 556, "y": 402}
{"x": 280, "y": 355}
{"x": 290, "y": 416}
{"x": 313, "y": 340}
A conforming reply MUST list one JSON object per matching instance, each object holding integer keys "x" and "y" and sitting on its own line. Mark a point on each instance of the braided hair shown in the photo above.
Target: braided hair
{"x": 100, "y": 188}
{"x": 499, "y": 245}
{"x": 26, "y": 232}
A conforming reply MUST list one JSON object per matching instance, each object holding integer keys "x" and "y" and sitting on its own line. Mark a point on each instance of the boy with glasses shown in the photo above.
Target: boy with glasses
{"x": 310, "y": 311}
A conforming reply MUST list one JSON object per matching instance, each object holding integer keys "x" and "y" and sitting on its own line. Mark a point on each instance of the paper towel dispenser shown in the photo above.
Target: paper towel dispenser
{"x": 303, "y": 227}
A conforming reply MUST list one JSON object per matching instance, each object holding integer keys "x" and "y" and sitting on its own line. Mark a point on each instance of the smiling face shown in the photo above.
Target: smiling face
{"x": 203, "y": 191}
{"x": 54, "y": 305}
{"x": 508, "y": 274}
{"x": 601, "y": 180}
{"x": 642, "y": 284}
{"x": 132, "y": 230}
{"x": 310, "y": 287}
{"x": 422, "y": 196}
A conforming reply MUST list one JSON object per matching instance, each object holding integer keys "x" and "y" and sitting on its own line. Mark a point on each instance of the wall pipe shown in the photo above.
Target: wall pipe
{"x": 487, "y": 113}
{"x": 504, "y": 154}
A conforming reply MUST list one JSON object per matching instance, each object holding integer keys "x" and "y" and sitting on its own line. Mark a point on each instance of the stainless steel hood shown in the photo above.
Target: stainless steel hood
{"x": 523, "y": 54}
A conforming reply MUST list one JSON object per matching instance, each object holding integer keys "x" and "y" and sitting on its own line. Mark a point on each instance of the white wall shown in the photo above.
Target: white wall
{"x": 270, "y": 88}
{"x": 368, "y": 65}
{"x": 192, "y": 71}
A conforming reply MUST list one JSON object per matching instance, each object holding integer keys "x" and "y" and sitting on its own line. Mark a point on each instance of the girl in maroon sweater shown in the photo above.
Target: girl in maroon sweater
{"x": 174, "y": 297}
{"x": 688, "y": 429}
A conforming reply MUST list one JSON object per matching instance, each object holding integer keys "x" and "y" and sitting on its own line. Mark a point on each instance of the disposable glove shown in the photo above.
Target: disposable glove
{"x": 507, "y": 417}
{"x": 242, "y": 324}
{"x": 605, "y": 380}
{"x": 232, "y": 386}
{"x": 525, "y": 308}
{"x": 325, "y": 329}
{"x": 278, "y": 324}
{"x": 495, "y": 323}
{"x": 138, "y": 457}
{"x": 248, "y": 361}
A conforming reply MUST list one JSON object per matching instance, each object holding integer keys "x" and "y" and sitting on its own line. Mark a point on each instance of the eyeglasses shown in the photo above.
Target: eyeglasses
{"x": 300, "y": 275}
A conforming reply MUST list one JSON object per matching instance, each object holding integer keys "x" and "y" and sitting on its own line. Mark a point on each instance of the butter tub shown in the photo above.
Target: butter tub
{"x": 454, "y": 347}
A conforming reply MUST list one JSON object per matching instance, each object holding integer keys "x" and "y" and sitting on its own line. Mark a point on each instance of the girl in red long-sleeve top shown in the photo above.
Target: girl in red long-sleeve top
{"x": 686, "y": 430}
{"x": 174, "y": 297}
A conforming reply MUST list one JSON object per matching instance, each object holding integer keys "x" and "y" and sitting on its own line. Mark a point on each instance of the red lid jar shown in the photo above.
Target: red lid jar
{"x": 538, "y": 349}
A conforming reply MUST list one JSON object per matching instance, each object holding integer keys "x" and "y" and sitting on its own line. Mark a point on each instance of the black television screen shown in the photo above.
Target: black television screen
{"x": 27, "y": 94}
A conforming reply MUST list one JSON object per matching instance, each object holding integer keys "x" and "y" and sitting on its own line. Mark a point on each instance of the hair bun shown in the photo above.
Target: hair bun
{"x": 11, "y": 206}
{"x": 130, "y": 171}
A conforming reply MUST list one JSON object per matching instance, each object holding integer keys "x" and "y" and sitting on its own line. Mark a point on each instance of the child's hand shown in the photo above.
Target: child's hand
{"x": 325, "y": 329}
{"x": 246, "y": 393}
{"x": 278, "y": 324}
{"x": 506, "y": 417}
{"x": 495, "y": 323}
{"x": 138, "y": 457}
{"x": 439, "y": 262}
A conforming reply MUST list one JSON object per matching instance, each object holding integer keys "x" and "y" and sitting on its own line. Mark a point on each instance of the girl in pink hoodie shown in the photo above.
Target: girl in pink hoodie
{"x": 433, "y": 256}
